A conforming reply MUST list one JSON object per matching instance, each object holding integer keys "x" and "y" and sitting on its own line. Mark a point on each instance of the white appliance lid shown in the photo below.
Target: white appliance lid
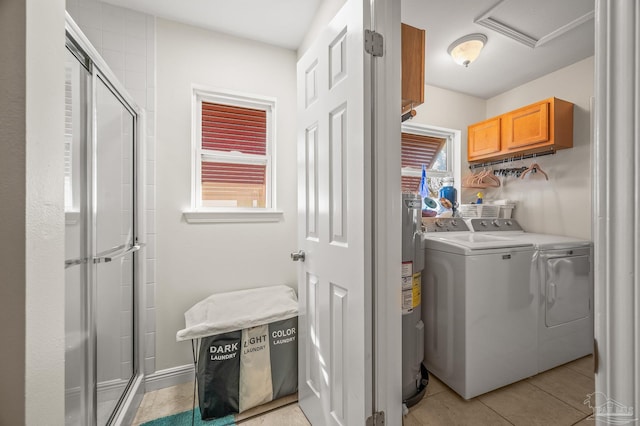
{"x": 466, "y": 242}
{"x": 550, "y": 242}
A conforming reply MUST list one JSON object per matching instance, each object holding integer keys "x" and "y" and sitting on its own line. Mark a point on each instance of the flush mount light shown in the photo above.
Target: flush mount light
{"x": 466, "y": 49}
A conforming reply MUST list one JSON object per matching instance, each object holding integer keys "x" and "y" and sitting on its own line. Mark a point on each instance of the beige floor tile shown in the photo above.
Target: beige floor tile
{"x": 567, "y": 385}
{"x": 269, "y": 406}
{"x": 525, "y": 404}
{"x": 583, "y": 366}
{"x": 448, "y": 409}
{"x": 586, "y": 422}
{"x": 289, "y": 415}
{"x": 435, "y": 386}
{"x": 410, "y": 420}
{"x": 144, "y": 408}
{"x": 165, "y": 402}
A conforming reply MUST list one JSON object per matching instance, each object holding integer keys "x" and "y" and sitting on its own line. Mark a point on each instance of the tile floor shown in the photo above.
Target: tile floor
{"x": 552, "y": 398}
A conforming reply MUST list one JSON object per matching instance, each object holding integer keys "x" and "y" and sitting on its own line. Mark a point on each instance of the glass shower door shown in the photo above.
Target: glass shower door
{"x": 101, "y": 245}
{"x": 77, "y": 80}
{"x": 114, "y": 246}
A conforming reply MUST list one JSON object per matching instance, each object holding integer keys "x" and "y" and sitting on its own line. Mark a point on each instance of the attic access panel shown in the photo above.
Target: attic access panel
{"x": 531, "y": 23}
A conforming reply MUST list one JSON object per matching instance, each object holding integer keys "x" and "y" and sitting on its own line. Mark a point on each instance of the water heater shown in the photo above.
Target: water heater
{"x": 414, "y": 374}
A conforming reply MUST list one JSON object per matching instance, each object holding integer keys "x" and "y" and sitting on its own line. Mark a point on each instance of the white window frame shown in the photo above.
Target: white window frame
{"x": 200, "y": 213}
{"x": 452, "y": 146}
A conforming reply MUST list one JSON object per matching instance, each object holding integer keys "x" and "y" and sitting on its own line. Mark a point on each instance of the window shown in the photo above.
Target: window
{"x": 233, "y": 155}
{"x": 430, "y": 146}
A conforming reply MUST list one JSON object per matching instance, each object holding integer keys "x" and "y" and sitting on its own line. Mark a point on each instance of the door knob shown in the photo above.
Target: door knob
{"x": 298, "y": 256}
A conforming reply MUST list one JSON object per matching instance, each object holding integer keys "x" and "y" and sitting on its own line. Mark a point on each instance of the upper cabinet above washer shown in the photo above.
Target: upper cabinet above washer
{"x": 544, "y": 126}
{"x": 484, "y": 138}
{"x": 413, "y": 45}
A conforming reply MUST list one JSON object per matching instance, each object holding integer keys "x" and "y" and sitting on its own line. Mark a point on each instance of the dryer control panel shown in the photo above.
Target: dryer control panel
{"x": 444, "y": 224}
{"x": 494, "y": 225}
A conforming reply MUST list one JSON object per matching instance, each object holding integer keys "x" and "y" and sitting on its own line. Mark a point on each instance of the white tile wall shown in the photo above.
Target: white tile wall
{"x": 126, "y": 40}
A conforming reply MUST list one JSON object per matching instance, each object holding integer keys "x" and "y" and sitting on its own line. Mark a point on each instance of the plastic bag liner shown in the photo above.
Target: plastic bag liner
{"x": 237, "y": 310}
{"x": 254, "y": 363}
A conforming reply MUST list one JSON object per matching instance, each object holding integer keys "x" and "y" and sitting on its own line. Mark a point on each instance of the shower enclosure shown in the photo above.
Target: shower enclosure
{"x": 103, "y": 373}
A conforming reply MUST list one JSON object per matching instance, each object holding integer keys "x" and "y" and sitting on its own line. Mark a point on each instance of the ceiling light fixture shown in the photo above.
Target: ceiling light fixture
{"x": 467, "y": 49}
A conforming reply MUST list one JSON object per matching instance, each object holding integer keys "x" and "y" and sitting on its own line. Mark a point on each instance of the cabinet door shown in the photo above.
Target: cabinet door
{"x": 483, "y": 139}
{"x": 413, "y": 51}
{"x": 526, "y": 126}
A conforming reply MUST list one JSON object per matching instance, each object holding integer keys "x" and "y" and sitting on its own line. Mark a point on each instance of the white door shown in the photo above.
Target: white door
{"x": 335, "y": 344}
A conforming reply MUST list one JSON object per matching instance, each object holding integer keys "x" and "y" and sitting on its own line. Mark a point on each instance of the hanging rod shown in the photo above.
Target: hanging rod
{"x": 507, "y": 160}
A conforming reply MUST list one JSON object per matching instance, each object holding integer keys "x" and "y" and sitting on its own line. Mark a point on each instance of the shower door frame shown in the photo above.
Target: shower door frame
{"x": 78, "y": 44}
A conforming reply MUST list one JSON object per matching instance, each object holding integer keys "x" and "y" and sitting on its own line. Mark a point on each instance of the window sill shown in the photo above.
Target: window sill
{"x": 236, "y": 216}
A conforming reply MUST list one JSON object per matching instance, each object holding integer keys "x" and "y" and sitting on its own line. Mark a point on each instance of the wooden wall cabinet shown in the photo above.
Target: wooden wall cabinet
{"x": 540, "y": 127}
{"x": 484, "y": 138}
{"x": 413, "y": 51}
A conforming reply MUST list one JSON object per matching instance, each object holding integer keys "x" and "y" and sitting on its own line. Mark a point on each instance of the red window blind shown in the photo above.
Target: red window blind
{"x": 225, "y": 129}
{"x": 233, "y": 172}
{"x": 231, "y": 128}
{"x": 416, "y": 151}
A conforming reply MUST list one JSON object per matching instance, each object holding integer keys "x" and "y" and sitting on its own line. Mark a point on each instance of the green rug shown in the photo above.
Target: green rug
{"x": 184, "y": 419}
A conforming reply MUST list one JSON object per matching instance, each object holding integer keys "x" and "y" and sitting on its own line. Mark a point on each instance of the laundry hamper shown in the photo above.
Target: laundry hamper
{"x": 248, "y": 348}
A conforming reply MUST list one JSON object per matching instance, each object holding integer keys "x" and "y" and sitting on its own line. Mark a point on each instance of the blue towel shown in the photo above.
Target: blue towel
{"x": 184, "y": 419}
{"x": 424, "y": 186}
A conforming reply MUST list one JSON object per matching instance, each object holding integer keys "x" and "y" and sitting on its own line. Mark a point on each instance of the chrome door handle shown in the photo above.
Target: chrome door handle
{"x": 106, "y": 259}
{"x": 298, "y": 256}
{"x": 73, "y": 262}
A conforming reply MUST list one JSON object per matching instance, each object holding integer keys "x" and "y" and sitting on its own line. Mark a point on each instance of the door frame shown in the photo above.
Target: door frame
{"x": 386, "y": 209}
{"x": 615, "y": 151}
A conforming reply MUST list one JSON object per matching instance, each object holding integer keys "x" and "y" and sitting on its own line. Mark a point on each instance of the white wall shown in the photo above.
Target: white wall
{"x": 32, "y": 211}
{"x": 198, "y": 260}
{"x": 451, "y": 110}
{"x": 44, "y": 237}
{"x": 561, "y": 205}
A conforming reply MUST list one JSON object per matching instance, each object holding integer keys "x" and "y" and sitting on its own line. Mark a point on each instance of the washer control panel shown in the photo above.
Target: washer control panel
{"x": 494, "y": 225}
{"x": 444, "y": 224}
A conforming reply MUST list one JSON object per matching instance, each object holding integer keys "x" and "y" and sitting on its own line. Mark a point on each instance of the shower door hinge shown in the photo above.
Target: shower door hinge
{"x": 373, "y": 43}
{"x": 377, "y": 419}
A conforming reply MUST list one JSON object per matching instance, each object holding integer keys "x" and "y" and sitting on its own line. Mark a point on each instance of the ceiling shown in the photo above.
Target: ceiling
{"x": 561, "y": 31}
{"x": 278, "y": 22}
{"x": 526, "y": 38}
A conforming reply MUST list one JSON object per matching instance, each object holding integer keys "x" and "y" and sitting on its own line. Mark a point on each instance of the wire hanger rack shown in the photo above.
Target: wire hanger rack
{"x": 506, "y": 160}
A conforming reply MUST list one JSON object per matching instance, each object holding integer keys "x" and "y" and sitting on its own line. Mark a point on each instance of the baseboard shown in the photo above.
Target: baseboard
{"x": 169, "y": 377}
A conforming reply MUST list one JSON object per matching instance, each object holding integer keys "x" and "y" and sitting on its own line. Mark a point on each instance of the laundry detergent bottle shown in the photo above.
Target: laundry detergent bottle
{"x": 449, "y": 192}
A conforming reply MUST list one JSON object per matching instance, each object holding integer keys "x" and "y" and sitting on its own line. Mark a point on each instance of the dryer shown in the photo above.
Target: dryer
{"x": 479, "y": 308}
{"x": 563, "y": 272}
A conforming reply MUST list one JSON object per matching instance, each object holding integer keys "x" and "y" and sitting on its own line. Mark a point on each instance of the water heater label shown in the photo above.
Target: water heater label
{"x": 417, "y": 289}
{"x": 411, "y": 292}
{"x": 407, "y": 269}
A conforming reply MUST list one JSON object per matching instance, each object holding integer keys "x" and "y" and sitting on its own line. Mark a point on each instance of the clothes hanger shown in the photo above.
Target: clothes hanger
{"x": 494, "y": 181}
{"x": 534, "y": 167}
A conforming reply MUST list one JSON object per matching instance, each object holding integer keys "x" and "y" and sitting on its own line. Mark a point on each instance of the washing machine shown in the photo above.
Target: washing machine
{"x": 563, "y": 272}
{"x": 479, "y": 308}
